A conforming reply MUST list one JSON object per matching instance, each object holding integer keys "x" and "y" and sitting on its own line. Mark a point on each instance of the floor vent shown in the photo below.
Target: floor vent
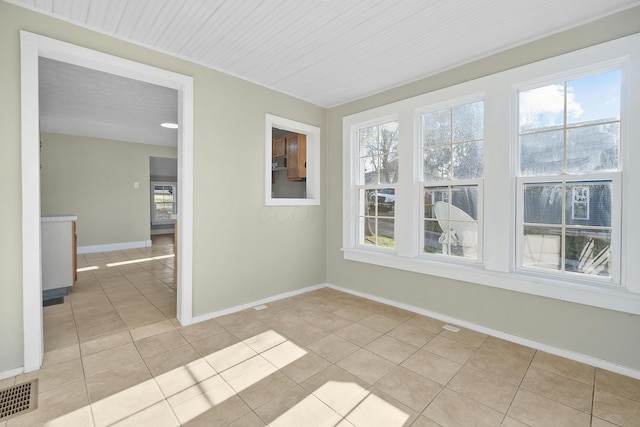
{"x": 18, "y": 399}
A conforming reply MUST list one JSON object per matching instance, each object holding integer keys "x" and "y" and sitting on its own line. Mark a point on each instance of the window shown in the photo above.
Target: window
{"x": 377, "y": 175}
{"x": 452, "y": 168}
{"x": 164, "y": 202}
{"x": 513, "y": 180}
{"x": 569, "y": 145}
{"x": 580, "y": 202}
{"x": 292, "y": 163}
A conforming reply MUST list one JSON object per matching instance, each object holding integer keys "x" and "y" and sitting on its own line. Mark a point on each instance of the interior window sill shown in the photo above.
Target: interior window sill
{"x": 609, "y": 297}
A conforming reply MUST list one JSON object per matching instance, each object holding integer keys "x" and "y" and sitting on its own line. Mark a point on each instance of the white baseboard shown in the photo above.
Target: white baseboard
{"x": 237, "y": 308}
{"x": 578, "y": 357}
{"x": 157, "y": 231}
{"x": 113, "y": 247}
{"x": 12, "y": 373}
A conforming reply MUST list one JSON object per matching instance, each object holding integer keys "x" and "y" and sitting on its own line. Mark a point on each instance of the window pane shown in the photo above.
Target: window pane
{"x": 377, "y": 217}
{"x": 593, "y": 148}
{"x": 542, "y": 153}
{"x": 588, "y": 251}
{"x": 431, "y": 196}
{"x": 379, "y": 202}
{"x": 465, "y": 198}
{"x": 386, "y": 199}
{"x": 588, "y": 203}
{"x": 541, "y": 247}
{"x": 542, "y": 108}
{"x": 595, "y": 98}
{"x": 468, "y": 122}
{"x": 432, "y": 227}
{"x": 379, "y": 232}
{"x": 467, "y": 160}
{"x": 389, "y": 169}
{"x": 457, "y": 221}
{"x": 437, "y": 163}
{"x": 389, "y": 137}
{"x": 543, "y": 203}
{"x": 164, "y": 211}
{"x": 368, "y": 225}
{"x": 436, "y": 127}
{"x": 368, "y": 202}
{"x": 386, "y": 230}
{"x": 432, "y": 234}
{"x": 368, "y": 141}
{"x": 368, "y": 170}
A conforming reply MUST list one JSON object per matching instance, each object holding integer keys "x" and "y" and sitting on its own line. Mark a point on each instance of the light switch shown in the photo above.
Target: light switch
{"x": 136, "y": 185}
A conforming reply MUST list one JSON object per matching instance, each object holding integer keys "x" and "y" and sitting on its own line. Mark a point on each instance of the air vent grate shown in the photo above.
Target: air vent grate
{"x": 18, "y": 399}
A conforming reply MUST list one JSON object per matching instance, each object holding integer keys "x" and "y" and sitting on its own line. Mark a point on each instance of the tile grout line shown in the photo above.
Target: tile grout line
{"x": 520, "y": 386}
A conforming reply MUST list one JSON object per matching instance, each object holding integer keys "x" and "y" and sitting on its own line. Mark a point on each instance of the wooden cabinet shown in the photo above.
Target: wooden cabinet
{"x": 292, "y": 148}
{"x": 296, "y": 157}
{"x": 278, "y": 147}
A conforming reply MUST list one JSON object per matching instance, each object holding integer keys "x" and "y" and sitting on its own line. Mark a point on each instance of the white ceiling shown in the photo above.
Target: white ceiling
{"x": 329, "y": 52}
{"x": 80, "y": 101}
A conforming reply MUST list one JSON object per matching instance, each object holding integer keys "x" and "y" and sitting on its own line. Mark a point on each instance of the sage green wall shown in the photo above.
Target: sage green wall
{"x": 242, "y": 250}
{"x": 93, "y": 178}
{"x": 603, "y": 334}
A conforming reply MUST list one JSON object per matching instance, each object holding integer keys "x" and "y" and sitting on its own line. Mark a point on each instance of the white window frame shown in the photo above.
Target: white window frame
{"x": 596, "y": 67}
{"x": 479, "y": 182}
{"x": 154, "y": 218}
{"x": 616, "y": 226}
{"x": 359, "y": 186}
{"x": 499, "y": 258}
{"x": 313, "y": 161}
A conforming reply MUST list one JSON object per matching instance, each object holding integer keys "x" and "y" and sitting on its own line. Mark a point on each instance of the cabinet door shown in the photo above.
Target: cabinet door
{"x": 278, "y": 147}
{"x": 292, "y": 157}
{"x": 296, "y": 157}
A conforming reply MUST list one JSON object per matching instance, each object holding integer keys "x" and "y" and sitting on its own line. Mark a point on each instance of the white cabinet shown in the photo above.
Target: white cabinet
{"x": 58, "y": 251}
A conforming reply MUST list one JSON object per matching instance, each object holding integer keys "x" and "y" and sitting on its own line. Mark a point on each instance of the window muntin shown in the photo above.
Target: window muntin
{"x": 377, "y": 176}
{"x": 566, "y": 130}
{"x": 452, "y": 168}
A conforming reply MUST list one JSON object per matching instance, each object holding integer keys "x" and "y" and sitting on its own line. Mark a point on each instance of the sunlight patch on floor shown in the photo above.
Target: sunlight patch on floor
{"x": 194, "y": 388}
{"x": 335, "y": 400}
{"x": 138, "y": 260}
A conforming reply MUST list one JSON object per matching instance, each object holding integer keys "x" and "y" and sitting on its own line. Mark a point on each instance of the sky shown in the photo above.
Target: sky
{"x": 590, "y": 98}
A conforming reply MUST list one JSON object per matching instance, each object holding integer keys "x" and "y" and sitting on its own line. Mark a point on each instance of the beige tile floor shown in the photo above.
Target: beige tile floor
{"x": 115, "y": 355}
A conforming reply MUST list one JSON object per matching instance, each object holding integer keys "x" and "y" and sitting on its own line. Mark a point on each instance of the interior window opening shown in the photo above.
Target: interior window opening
{"x": 292, "y": 162}
{"x": 289, "y": 164}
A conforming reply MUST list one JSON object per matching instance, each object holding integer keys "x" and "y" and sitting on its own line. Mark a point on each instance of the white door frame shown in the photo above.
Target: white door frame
{"x": 32, "y": 47}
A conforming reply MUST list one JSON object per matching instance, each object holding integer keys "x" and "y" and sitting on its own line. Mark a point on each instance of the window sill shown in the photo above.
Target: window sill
{"x": 593, "y": 295}
{"x": 291, "y": 202}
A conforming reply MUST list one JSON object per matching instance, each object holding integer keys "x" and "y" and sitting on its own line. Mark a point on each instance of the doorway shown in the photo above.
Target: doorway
{"x": 32, "y": 48}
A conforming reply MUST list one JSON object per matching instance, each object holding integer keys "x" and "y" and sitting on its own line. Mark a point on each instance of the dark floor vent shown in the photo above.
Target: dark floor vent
{"x": 18, "y": 399}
